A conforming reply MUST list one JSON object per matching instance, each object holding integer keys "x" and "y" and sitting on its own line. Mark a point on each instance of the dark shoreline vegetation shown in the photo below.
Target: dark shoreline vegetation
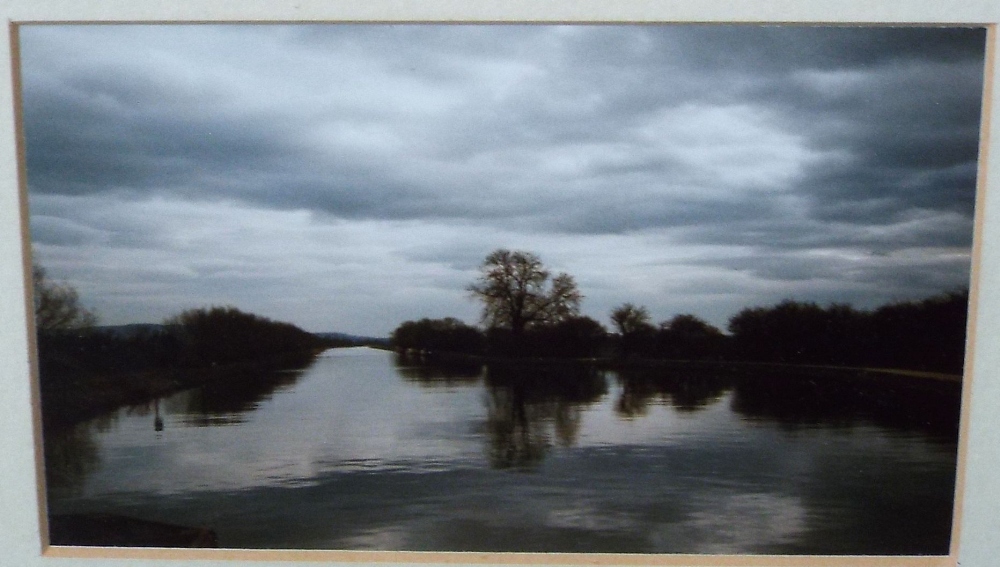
{"x": 901, "y": 362}
{"x": 921, "y": 339}
{"x": 85, "y": 370}
{"x": 797, "y": 364}
{"x": 528, "y": 314}
{"x": 789, "y": 394}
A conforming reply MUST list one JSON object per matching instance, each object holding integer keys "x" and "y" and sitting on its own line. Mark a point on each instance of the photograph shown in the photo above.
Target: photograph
{"x": 573, "y": 288}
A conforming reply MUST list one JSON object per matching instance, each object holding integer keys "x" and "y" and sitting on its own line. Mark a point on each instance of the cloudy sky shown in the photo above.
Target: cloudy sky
{"x": 350, "y": 177}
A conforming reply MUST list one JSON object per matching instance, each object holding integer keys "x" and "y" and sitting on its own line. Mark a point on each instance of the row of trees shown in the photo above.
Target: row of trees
{"x": 85, "y": 370}
{"x": 926, "y": 335}
{"x": 527, "y": 312}
{"x": 70, "y": 345}
{"x": 197, "y": 338}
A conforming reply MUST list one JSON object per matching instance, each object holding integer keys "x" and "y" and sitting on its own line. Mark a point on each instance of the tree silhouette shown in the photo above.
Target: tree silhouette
{"x": 57, "y": 306}
{"x": 688, "y": 336}
{"x": 918, "y": 335}
{"x": 629, "y": 318}
{"x": 226, "y": 335}
{"x": 574, "y": 337}
{"x": 517, "y": 293}
{"x": 444, "y": 335}
{"x": 633, "y": 325}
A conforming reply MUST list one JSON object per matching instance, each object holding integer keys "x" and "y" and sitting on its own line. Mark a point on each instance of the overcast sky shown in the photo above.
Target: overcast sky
{"x": 350, "y": 177}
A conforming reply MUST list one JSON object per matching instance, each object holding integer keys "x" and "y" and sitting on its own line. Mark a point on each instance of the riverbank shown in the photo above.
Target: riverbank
{"x": 70, "y": 396}
{"x": 718, "y": 367}
{"x": 729, "y": 366}
{"x": 926, "y": 401}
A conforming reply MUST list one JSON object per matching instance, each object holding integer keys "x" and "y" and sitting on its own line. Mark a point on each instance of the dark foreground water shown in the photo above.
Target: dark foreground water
{"x": 362, "y": 451}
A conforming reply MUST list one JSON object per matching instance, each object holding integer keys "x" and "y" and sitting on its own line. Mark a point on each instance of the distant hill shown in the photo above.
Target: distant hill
{"x": 349, "y": 339}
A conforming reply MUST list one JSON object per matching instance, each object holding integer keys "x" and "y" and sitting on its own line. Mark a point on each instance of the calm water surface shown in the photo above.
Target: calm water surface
{"x": 363, "y": 451}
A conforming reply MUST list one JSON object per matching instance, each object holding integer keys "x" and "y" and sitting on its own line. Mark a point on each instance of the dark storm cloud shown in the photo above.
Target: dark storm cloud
{"x": 859, "y": 268}
{"x": 908, "y": 131}
{"x": 761, "y": 49}
{"x": 804, "y": 233}
{"x": 110, "y": 133}
{"x": 899, "y": 106}
{"x": 873, "y": 195}
{"x": 754, "y": 160}
{"x": 900, "y": 126}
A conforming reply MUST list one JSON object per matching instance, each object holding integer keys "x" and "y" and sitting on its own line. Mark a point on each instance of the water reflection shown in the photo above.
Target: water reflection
{"x": 529, "y": 404}
{"x": 70, "y": 457}
{"x": 903, "y": 404}
{"x": 227, "y": 402}
{"x": 73, "y": 453}
{"x": 437, "y": 371}
{"x": 684, "y": 392}
{"x": 364, "y": 450}
{"x": 157, "y": 419}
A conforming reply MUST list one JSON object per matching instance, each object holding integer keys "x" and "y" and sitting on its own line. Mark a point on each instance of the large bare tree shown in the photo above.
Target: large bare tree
{"x": 517, "y": 292}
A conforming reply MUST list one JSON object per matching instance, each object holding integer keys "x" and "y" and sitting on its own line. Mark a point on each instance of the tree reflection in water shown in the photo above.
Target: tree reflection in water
{"x": 547, "y": 455}
{"x": 685, "y": 392}
{"x": 533, "y": 405}
{"x": 902, "y": 403}
{"x": 70, "y": 456}
{"x": 227, "y": 401}
{"x": 438, "y": 370}
{"x": 530, "y": 403}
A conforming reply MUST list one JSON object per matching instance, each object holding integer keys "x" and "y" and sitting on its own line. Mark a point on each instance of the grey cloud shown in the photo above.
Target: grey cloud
{"x": 78, "y": 145}
{"x": 867, "y": 195}
{"x": 790, "y": 233}
{"x": 530, "y": 130}
{"x": 929, "y": 274}
{"x": 779, "y": 47}
{"x": 106, "y": 128}
{"x": 56, "y": 231}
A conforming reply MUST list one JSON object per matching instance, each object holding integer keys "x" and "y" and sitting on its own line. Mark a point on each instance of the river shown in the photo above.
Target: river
{"x": 363, "y": 451}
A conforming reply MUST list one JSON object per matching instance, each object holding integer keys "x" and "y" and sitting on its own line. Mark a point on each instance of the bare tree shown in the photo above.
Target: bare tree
{"x": 633, "y": 325}
{"x": 57, "y": 306}
{"x": 630, "y": 319}
{"x": 517, "y": 293}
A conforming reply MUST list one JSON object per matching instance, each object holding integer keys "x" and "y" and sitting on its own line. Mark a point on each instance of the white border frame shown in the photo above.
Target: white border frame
{"x": 20, "y": 518}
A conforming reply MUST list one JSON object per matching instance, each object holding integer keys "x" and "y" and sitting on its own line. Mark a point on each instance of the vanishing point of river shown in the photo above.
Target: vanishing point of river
{"x": 364, "y": 451}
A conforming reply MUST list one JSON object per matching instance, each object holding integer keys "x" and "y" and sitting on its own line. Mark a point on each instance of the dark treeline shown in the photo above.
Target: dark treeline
{"x": 196, "y": 338}
{"x": 920, "y": 335}
{"x": 86, "y": 370}
{"x": 529, "y": 313}
{"x": 571, "y": 337}
{"x": 926, "y": 335}
{"x": 439, "y": 335}
{"x": 226, "y": 335}
{"x": 574, "y": 337}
